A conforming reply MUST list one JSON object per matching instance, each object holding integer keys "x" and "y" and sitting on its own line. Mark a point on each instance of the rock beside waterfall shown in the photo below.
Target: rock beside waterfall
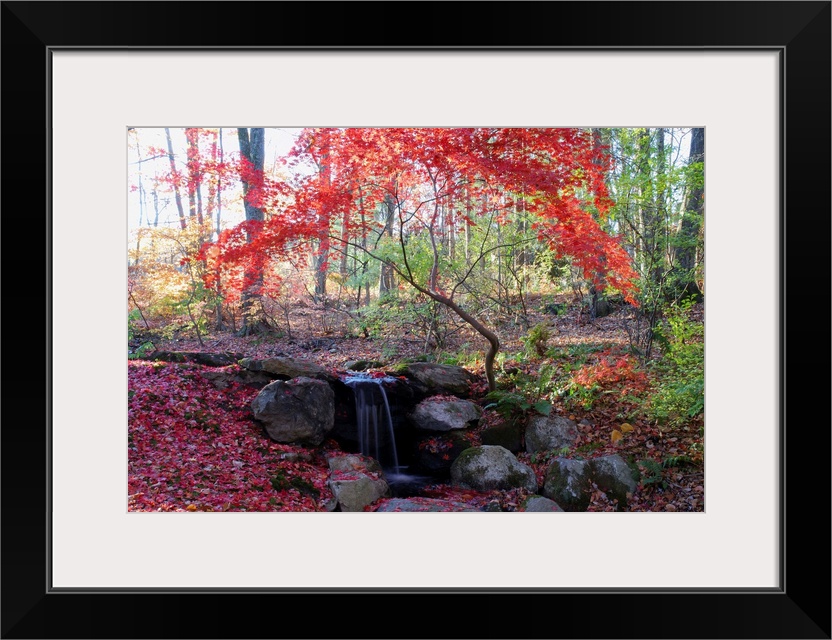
{"x": 356, "y": 481}
{"x": 299, "y": 411}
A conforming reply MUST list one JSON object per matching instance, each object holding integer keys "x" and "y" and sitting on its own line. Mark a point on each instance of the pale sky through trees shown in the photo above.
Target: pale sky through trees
{"x": 278, "y": 143}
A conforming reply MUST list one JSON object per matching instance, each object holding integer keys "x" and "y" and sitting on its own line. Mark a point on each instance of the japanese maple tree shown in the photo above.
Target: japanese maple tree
{"x": 413, "y": 176}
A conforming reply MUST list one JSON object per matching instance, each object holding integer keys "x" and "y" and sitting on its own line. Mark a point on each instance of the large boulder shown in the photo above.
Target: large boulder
{"x": 356, "y": 481}
{"x": 445, "y": 415}
{"x": 567, "y": 482}
{"x": 491, "y": 467}
{"x": 286, "y": 368}
{"x": 436, "y": 379}
{"x": 300, "y": 411}
{"x": 206, "y": 358}
{"x": 614, "y": 477}
{"x": 552, "y": 432}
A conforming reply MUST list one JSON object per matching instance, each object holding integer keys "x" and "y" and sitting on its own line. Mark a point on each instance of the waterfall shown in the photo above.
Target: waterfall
{"x": 374, "y": 421}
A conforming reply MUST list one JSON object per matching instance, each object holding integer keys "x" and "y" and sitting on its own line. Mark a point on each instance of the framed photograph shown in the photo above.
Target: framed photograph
{"x": 754, "y": 563}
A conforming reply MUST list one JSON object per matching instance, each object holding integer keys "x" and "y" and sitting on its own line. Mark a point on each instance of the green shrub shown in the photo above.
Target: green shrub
{"x": 536, "y": 341}
{"x": 679, "y": 393}
{"x": 141, "y": 352}
{"x": 526, "y": 393}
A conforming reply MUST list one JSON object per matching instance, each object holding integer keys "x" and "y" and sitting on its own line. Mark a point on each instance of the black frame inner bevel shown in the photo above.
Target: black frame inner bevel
{"x": 800, "y": 31}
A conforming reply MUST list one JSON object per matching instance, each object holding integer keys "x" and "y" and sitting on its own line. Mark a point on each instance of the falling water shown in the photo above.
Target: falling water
{"x": 373, "y": 419}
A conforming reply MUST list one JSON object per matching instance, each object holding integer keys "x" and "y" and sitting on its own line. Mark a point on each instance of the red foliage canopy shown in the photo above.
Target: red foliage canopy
{"x": 558, "y": 174}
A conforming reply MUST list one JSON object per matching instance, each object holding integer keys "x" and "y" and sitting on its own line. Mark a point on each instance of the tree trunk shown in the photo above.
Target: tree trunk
{"x": 190, "y": 137}
{"x": 469, "y": 210}
{"x": 345, "y": 230}
{"x": 688, "y": 236}
{"x": 219, "y": 187}
{"x": 451, "y": 229}
{"x": 322, "y": 255}
{"x": 599, "y": 306}
{"x": 252, "y": 149}
{"x": 386, "y": 284}
{"x": 175, "y": 180}
{"x": 155, "y": 207}
{"x": 365, "y": 263}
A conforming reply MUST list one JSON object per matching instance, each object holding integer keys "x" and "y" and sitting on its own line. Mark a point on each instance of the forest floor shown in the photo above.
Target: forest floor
{"x": 197, "y": 448}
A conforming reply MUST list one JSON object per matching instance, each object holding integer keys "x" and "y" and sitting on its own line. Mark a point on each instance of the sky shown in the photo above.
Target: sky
{"x": 278, "y": 142}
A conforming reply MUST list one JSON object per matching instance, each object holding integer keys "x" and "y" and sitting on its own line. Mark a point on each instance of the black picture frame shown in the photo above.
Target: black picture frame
{"x": 800, "y": 31}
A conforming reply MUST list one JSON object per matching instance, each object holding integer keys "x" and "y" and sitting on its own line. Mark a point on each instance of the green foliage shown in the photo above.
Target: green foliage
{"x": 551, "y": 267}
{"x": 524, "y": 393}
{"x": 574, "y": 355}
{"x": 507, "y": 403}
{"x": 543, "y": 407}
{"x": 133, "y": 317}
{"x": 374, "y": 320}
{"x": 676, "y": 461}
{"x": 680, "y": 390}
{"x": 141, "y": 353}
{"x": 555, "y": 308}
{"x": 400, "y": 314}
{"x": 146, "y": 346}
{"x": 465, "y": 357}
{"x": 651, "y": 472}
{"x": 588, "y": 448}
{"x": 536, "y": 340}
{"x": 579, "y": 395}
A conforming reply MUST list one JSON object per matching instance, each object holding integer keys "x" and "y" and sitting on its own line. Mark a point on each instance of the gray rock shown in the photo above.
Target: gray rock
{"x": 612, "y": 476}
{"x": 356, "y": 481}
{"x": 491, "y": 467}
{"x": 567, "y": 483}
{"x": 288, "y": 368}
{"x": 422, "y": 505}
{"x": 545, "y": 433}
{"x": 221, "y": 379}
{"x": 440, "y": 378}
{"x": 354, "y": 462}
{"x": 445, "y": 415}
{"x": 539, "y": 504}
{"x": 362, "y": 365}
{"x": 301, "y": 410}
{"x": 206, "y": 358}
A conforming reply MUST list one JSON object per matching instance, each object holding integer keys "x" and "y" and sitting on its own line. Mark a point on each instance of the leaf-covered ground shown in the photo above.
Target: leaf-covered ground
{"x": 193, "y": 447}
